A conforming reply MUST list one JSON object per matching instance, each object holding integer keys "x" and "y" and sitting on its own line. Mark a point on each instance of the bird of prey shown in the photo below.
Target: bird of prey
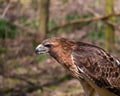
{"x": 91, "y": 65}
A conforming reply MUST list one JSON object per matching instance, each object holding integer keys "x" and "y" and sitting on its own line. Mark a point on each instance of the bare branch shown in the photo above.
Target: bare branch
{"x": 6, "y": 10}
{"x": 84, "y": 21}
{"x": 113, "y": 24}
{"x": 31, "y": 87}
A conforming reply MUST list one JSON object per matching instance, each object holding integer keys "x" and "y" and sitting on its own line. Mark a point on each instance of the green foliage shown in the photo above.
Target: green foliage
{"x": 51, "y": 24}
{"x": 34, "y": 4}
{"x": 34, "y": 24}
{"x": 2, "y": 59}
{"x": 109, "y": 30}
{"x": 14, "y": 64}
{"x": 88, "y": 15}
{"x": 40, "y": 58}
{"x": 38, "y": 91}
{"x": 117, "y": 20}
{"x": 64, "y": 1}
{"x": 7, "y": 30}
{"x": 50, "y": 35}
{"x": 76, "y": 16}
{"x": 72, "y": 17}
{"x": 96, "y": 35}
{"x": 3, "y": 50}
{"x": 97, "y": 32}
{"x": 34, "y": 44}
{"x": 118, "y": 37}
{"x": 23, "y": 20}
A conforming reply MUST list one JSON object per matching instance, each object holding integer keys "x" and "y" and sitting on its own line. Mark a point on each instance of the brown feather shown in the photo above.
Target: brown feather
{"x": 86, "y": 60}
{"x": 102, "y": 68}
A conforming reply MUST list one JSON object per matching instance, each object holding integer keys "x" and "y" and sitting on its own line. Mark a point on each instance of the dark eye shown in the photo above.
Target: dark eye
{"x": 48, "y": 45}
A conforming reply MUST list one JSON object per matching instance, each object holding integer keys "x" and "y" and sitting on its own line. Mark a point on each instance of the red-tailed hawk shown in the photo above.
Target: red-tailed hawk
{"x": 86, "y": 62}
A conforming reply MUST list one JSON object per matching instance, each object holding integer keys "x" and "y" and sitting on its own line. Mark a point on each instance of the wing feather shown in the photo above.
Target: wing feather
{"x": 100, "y": 67}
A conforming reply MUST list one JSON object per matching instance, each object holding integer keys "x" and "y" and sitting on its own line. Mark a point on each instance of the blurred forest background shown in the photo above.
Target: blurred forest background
{"x": 25, "y": 23}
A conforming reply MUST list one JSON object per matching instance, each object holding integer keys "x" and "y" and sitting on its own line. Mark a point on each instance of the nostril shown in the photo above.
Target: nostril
{"x": 36, "y": 51}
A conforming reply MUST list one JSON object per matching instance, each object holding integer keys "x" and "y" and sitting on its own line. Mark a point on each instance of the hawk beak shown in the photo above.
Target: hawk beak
{"x": 41, "y": 49}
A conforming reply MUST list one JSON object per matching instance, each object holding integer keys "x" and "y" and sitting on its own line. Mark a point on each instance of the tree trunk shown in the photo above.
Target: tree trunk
{"x": 42, "y": 19}
{"x": 109, "y": 31}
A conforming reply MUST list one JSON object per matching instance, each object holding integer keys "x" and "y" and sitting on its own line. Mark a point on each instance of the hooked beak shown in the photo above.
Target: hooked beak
{"x": 41, "y": 49}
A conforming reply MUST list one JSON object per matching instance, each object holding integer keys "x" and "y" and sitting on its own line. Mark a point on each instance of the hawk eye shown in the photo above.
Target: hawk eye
{"x": 48, "y": 45}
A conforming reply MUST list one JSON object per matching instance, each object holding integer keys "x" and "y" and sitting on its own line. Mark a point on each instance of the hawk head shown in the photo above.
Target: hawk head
{"x": 59, "y": 48}
{"x": 54, "y": 45}
{"x": 48, "y": 45}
